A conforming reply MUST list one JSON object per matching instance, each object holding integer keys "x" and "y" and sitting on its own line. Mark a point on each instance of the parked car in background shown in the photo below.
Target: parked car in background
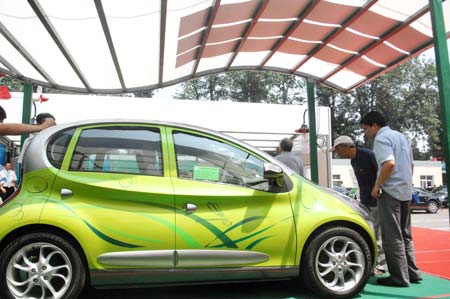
{"x": 441, "y": 194}
{"x": 426, "y": 202}
{"x": 342, "y": 190}
{"x": 128, "y": 203}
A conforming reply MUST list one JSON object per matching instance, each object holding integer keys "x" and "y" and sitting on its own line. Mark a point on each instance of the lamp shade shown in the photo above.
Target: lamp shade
{"x": 4, "y": 92}
{"x": 303, "y": 129}
{"x": 42, "y": 98}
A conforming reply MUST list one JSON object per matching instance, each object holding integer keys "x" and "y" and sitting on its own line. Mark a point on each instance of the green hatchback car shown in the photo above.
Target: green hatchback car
{"x": 129, "y": 203}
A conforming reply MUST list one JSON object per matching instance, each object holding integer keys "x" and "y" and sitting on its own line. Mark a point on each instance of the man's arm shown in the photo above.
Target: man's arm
{"x": 18, "y": 129}
{"x": 385, "y": 172}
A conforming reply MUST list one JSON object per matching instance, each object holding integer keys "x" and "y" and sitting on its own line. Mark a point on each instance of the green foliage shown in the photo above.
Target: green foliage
{"x": 143, "y": 94}
{"x": 211, "y": 88}
{"x": 12, "y": 84}
{"x": 245, "y": 86}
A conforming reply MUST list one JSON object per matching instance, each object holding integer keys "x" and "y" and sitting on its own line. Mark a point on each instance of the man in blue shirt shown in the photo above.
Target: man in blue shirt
{"x": 393, "y": 189}
{"x": 365, "y": 168}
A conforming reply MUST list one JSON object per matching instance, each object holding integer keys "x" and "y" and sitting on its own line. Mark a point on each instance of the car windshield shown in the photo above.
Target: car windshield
{"x": 421, "y": 191}
{"x": 440, "y": 189}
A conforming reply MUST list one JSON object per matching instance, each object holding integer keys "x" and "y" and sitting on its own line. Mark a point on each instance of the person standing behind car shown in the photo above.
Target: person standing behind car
{"x": 19, "y": 129}
{"x": 393, "y": 189}
{"x": 11, "y": 178}
{"x": 3, "y": 180}
{"x": 41, "y": 117}
{"x": 365, "y": 168}
{"x": 288, "y": 158}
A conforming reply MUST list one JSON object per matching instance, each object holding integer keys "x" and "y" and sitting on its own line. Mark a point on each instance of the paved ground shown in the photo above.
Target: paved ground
{"x": 439, "y": 221}
{"x": 270, "y": 290}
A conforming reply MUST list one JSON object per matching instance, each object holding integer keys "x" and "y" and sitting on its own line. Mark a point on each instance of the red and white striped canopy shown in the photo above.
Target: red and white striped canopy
{"x": 117, "y": 46}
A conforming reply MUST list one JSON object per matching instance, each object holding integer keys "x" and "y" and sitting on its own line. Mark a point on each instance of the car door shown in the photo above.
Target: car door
{"x": 117, "y": 196}
{"x": 224, "y": 217}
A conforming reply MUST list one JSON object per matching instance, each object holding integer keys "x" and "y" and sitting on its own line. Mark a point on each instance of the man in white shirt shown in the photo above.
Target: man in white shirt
{"x": 11, "y": 179}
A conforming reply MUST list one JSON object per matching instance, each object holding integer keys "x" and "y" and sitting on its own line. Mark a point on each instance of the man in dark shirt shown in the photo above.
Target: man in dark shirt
{"x": 365, "y": 167}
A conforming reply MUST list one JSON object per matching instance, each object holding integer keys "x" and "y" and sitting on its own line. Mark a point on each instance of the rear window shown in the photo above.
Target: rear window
{"x": 57, "y": 147}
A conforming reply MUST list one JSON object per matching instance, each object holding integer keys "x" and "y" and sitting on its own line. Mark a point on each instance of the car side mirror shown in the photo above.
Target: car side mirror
{"x": 274, "y": 174}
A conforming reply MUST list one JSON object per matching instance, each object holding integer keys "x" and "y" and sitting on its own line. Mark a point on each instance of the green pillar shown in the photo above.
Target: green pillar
{"x": 443, "y": 73}
{"x": 312, "y": 132}
{"x": 26, "y": 107}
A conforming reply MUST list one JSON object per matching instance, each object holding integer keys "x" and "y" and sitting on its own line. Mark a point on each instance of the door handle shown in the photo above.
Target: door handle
{"x": 190, "y": 208}
{"x": 66, "y": 192}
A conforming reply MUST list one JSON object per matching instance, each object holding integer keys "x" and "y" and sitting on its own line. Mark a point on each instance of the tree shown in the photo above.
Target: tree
{"x": 210, "y": 87}
{"x": 245, "y": 86}
{"x": 344, "y": 120}
{"x": 285, "y": 89}
{"x": 249, "y": 87}
{"x": 12, "y": 84}
{"x": 143, "y": 94}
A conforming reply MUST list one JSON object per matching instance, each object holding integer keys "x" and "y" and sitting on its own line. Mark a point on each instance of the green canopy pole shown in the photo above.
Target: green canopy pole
{"x": 26, "y": 107}
{"x": 443, "y": 73}
{"x": 312, "y": 132}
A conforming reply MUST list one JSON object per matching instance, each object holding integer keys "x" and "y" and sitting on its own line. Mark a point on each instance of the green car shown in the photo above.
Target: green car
{"x": 129, "y": 203}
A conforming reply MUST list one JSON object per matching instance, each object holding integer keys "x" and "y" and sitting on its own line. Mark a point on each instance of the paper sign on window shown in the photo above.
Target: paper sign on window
{"x": 206, "y": 173}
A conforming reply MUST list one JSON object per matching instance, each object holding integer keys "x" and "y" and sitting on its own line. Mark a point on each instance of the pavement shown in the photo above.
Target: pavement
{"x": 438, "y": 221}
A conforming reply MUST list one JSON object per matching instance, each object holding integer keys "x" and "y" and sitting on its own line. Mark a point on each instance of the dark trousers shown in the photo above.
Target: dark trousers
{"x": 9, "y": 192}
{"x": 395, "y": 222}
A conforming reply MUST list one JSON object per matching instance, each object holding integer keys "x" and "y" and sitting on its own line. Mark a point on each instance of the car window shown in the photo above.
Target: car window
{"x": 57, "y": 147}
{"x": 134, "y": 150}
{"x": 204, "y": 159}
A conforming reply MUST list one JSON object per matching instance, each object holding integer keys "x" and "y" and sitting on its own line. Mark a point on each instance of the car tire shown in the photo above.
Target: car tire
{"x": 41, "y": 265}
{"x": 336, "y": 263}
{"x": 432, "y": 207}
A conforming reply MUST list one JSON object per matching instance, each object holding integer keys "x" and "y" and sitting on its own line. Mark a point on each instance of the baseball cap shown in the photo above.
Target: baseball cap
{"x": 341, "y": 140}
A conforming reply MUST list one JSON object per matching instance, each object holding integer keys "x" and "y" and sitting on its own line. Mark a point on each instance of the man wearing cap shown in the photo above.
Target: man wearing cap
{"x": 288, "y": 158}
{"x": 365, "y": 167}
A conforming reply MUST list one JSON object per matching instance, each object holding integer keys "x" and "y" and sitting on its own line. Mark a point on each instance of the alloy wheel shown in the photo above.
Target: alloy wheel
{"x": 39, "y": 270}
{"x": 340, "y": 263}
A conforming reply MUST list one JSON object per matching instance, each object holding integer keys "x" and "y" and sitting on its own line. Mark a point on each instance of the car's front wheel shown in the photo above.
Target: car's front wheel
{"x": 336, "y": 263}
{"x": 432, "y": 207}
{"x": 41, "y": 265}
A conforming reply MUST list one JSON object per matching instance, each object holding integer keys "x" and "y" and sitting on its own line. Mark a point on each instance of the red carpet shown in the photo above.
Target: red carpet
{"x": 432, "y": 249}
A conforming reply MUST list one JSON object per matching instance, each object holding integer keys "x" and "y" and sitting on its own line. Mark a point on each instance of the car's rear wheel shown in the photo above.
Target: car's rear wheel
{"x": 41, "y": 265}
{"x": 337, "y": 263}
{"x": 432, "y": 207}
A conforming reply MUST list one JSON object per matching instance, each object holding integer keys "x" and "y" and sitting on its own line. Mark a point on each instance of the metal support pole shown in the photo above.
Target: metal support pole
{"x": 26, "y": 107}
{"x": 443, "y": 73}
{"x": 312, "y": 132}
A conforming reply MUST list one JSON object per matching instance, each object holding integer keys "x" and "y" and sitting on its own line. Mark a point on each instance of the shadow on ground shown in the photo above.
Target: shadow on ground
{"x": 266, "y": 290}
{"x": 430, "y": 287}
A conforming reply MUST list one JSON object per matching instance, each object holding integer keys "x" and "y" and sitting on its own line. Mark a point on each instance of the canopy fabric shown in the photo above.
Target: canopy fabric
{"x": 125, "y": 46}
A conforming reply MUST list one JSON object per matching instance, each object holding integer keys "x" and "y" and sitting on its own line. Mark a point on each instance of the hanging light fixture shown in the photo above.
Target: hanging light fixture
{"x": 304, "y": 127}
{"x": 40, "y": 99}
